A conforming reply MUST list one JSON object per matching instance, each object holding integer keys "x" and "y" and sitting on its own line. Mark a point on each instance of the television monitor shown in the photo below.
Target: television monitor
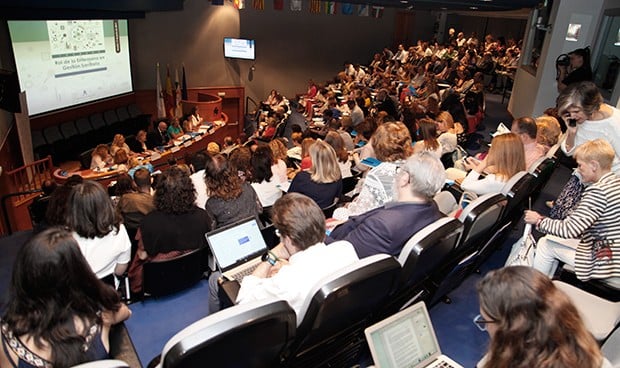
{"x": 62, "y": 63}
{"x": 237, "y": 48}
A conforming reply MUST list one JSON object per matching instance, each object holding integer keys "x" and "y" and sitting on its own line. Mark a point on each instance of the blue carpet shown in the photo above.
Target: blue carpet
{"x": 155, "y": 321}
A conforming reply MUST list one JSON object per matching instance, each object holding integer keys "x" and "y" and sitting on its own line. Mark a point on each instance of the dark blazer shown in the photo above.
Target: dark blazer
{"x": 157, "y": 138}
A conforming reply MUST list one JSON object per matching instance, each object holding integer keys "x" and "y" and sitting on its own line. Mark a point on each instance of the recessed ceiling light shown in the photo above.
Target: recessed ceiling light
{"x": 487, "y": 1}
{"x": 473, "y": 7}
{"x": 404, "y": 1}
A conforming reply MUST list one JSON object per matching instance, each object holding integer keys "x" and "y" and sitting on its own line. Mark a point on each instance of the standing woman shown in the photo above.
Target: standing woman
{"x": 322, "y": 182}
{"x": 531, "y": 323}
{"x": 58, "y": 313}
{"x": 581, "y": 105}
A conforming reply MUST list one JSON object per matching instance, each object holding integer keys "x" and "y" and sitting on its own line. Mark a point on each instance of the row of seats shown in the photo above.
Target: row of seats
{"x": 65, "y": 142}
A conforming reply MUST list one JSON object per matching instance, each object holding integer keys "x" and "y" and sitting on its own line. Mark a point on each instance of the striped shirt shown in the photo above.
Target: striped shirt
{"x": 596, "y": 221}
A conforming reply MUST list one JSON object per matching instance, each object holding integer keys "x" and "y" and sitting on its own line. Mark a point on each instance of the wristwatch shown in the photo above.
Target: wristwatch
{"x": 269, "y": 257}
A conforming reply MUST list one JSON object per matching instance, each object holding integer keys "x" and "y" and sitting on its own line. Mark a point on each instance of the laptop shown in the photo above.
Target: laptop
{"x": 237, "y": 248}
{"x": 406, "y": 339}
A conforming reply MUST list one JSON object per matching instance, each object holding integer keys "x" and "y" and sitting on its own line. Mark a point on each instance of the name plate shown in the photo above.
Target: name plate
{"x": 175, "y": 149}
{"x": 187, "y": 144}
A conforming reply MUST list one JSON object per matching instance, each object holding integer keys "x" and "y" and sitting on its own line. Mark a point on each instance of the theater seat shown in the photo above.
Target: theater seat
{"x": 106, "y": 363}
{"x": 334, "y": 315}
{"x": 251, "y": 335}
{"x": 173, "y": 275}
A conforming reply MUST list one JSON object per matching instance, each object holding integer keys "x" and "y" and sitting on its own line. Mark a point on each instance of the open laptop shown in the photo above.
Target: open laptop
{"x": 406, "y": 339}
{"x": 237, "y": 248}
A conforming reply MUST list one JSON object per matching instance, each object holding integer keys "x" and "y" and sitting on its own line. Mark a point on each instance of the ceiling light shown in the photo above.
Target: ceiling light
{"x": 473, "y": 7}
{"x": 617, "y": 43}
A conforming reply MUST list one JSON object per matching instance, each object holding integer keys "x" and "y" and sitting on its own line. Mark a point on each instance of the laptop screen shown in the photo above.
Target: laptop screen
{"x": 236, "y": 243}
{"x": 406, "y": 339}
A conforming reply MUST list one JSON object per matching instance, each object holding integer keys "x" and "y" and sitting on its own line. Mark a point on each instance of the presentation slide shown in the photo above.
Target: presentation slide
{"x": 238, "y": 48}
{"x": 62, "y": 63}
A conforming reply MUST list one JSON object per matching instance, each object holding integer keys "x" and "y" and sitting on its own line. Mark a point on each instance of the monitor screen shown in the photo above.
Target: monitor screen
{"x": 237, "y": 48}
{"x": 61, "y": 63}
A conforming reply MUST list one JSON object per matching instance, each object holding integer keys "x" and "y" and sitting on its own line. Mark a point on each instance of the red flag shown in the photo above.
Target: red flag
{"x": 278, "y": 4}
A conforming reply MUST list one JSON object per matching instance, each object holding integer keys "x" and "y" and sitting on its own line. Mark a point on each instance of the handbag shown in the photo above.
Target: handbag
{"x": 523, "y": 250}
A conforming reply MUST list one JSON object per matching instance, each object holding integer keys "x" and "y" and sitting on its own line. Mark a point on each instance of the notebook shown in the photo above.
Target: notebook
{"x": 406, "y": 339}
{"x": 237, "y": 248}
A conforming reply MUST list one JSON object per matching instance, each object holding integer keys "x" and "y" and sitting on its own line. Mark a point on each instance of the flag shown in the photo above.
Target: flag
{"x": 315, "y": 6}
{"x": 278, "y": 4}
{"x": 377, "y": 11}
{"x": 178, "y": 110}
{"x": 169, "y": 97}
{"x": 161, "y": 111}
{"x": 363, "y": 10}
{"x": 184, "y": 86}
{"x": 330, "y": 7}
{"x": 295, "y": 5}
{"x": 239, "y": 4}
{"x": 347, "y": 8}
{"x": 258, "y": 4}
{"x": 217, "y": 2}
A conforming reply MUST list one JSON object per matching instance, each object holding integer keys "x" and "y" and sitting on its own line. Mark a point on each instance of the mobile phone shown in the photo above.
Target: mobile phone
{"x": 572, "y": 123}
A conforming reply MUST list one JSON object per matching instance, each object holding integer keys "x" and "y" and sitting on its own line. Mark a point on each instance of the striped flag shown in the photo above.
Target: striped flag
{"x": 363, "y": 10}
{"x": 295, "y": 5}
{"x": 347, "y": 8}
{"x": 161, "y": 110}
{"x": 278, "y": 4}
{"x": 169, "y": 97}
{"x": 330, "y": 7}
{"x": 184, "y": 86}
{"x": 377, "y": 11}
{"x": 315, "y": 6}
{"x": 178, "y": 111}
{"x": 239, "y": 4}
{"x": 258, "y": 4}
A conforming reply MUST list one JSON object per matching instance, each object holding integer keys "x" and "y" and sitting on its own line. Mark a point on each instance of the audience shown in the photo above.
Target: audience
{"x": 531, "y": 323}
{"x": 230, "y": 197}
{"x": 548, "y": 131}
{"x": 527, "y": 130}
{"x": 429, "y": 142}
{"x": 386, "y": 229}
{"x": 279, "y": 168}
{"x": 58, "y": 314}
{"x": 134, "y": 205}
{"x": 175, "y": 227}
{"x": 98, "y": 229}
{"x": 264, "y": 182}
{"x": 198, "y": 162}
{"x": 587, "y": 239}
{"x": 322, "y": 182}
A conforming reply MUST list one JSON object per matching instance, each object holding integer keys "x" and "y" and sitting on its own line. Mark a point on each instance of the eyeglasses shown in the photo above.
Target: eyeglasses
{"x": 481, "y": 323}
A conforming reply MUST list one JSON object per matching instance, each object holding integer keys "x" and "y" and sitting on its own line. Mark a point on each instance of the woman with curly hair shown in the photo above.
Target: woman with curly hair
{"x": 532, "y": 323}
{"x": 230, "y": 198}
{"x": 177, "y": 225}
{"x": 58, "y": 313}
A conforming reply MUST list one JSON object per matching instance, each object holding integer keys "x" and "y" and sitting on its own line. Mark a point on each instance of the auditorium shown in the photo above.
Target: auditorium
{"x": 377, "y": 183}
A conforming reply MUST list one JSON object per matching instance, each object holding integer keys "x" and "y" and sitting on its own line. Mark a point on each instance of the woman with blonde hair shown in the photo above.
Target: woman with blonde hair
{"x": 391, "y": 143}
{"x": 505, "y": 158}
{"x": 532, "y": 323}
{"x": 429, "y": 142}
{"x": 118, "y": 143}
{"x": 335, "y": 140}
{"x": 322, "y": 182}
{"x": 449, "y": 131}
{"x": 100, "y": 157}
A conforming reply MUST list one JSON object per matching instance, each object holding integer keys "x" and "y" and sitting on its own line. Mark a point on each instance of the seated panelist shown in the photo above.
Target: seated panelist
{"x": 100, "y": 157}
{"x": 160, "y": 136}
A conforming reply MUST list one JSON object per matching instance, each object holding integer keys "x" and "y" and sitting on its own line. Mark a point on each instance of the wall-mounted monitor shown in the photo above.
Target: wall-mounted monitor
{"x": 236, "y": 48}
{"x": 62, "y": 63}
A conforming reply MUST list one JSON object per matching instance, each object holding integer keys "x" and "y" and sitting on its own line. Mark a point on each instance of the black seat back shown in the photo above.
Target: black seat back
{"x": 173, "y": 275}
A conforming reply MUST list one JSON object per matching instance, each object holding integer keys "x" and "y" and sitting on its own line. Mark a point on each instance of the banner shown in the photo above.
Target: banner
{"x": 330, "y": 7}
{"x": 178, "y": 111}
{"x": 363, "y": 10}
{"x": 295, "y": 5}
{"x": 169, "y": 100}
{"x": 347, "y": 8}
{"x": 161, "y": 111}
{"x": 278, "y": 4}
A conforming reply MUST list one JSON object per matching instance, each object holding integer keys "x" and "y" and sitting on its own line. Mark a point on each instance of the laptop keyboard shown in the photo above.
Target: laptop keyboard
{"x": 245, "y": 272}
{"x": 441, "y": 364}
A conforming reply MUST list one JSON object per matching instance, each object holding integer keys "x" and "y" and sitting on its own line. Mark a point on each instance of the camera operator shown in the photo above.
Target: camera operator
{"x": 577, "y": 70}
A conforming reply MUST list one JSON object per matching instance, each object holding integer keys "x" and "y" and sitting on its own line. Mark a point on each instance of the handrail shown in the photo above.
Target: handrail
{"x": 5, "y": 212}
{"x": 248, "y": 98}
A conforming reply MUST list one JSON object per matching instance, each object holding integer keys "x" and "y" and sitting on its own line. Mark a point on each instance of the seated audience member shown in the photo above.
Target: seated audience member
{"x": 386, "y": 229}
{"x": 56, "y": 212}
{"x": 279, "y": 167}
{"x": 230, "y": 198}
{"x": 177, "y": 225}
{"x": 338, "y": 127}
{"x": 299, "y": 261}
{"x": 264, "y": 183}
{"x": 357, "y": 115}
{"x": 198, "y": 162}
{"x": 526, "y": 129}
{"x": 229, "y": 145}
{"x": 532, "y": 322}
{"x": 505, "y": 158}
{"x": 58, "y": 314}
{"x": 587, "y": 239}
{"x": 548, "y": 131}
{"x": 100, "y": 157}
{"x": 429, "y": 142}
{"x": 387, "y": 104}
{"x": 39, "y": 205}
{"x": 344, "y": 163}
{"x": 140, "y": 145}
{"x": 295, "y": 151}
{"x": 174, "y": 130}
{"x": 134, "y": 205}
{"x": 392, "y": 146}
{"x": 98, "y": 229}
{"x": 322, "y": 182}
{"x": 118, "y": 143}
{"x": 213, "y": 148}
{"x": 121, "y": 160}
{"x": 239, "y": 161}
{"x": 159, "y": 137}
{"x": 135, "y": 164}
{"x": 448, "y": 132}
{"x": 306, "y": 160}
